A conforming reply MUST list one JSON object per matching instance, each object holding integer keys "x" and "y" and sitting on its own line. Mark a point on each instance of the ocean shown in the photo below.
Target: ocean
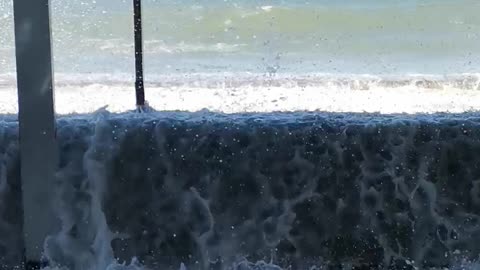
{"x": 260, "y": 37}
{"x": 283, "y": 135}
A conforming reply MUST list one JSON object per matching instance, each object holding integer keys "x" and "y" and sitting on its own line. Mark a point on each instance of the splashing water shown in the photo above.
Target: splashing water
{"x": 216, "y": 191}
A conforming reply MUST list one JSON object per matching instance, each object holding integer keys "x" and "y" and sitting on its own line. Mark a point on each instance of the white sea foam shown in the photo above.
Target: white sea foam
{"x": 267, "y": 8}
{"x": 246, "y": 92}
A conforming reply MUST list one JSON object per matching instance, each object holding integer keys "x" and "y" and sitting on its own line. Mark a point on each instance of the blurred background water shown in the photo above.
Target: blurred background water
{"x": 291, "y": 37}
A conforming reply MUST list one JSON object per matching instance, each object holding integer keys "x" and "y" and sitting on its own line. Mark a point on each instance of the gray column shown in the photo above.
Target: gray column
{"x": 36, "y": 120}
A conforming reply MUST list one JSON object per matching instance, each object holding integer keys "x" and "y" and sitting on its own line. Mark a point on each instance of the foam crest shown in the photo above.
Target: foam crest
{"x": 233, "y": 80}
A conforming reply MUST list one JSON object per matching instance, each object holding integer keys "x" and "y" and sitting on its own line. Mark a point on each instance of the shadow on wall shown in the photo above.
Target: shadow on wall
{"x": 300, "y": 189}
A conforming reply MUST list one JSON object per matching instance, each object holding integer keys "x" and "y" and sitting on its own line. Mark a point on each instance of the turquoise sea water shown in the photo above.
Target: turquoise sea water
{"x": 339, "y": 37}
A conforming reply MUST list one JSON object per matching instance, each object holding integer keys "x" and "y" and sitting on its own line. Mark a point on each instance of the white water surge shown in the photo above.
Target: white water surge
{"x": 217, "y": 191}
{"x": 239, "y": 93}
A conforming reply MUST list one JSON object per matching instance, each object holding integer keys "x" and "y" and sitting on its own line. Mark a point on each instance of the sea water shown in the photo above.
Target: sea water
{"x": 261, "y": 56}
{"x": 248, "y": 191}
{"x": 260, "y": 37}
{"x": 203, "y": 190}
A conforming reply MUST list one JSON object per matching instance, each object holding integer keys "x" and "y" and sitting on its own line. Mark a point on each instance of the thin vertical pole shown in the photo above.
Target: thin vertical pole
{"x": 36, "y": 115}
{"x": 139, "y": 84}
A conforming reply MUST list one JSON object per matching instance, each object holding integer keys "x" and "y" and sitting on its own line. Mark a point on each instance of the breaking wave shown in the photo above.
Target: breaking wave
{"x": 215, "y": 191}
{"x": 225, "y": 80}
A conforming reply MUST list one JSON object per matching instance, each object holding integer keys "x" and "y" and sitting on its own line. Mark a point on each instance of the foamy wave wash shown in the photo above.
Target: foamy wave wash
{"x": 84, "y": 242}
{"x": 230, "y": 81}
{"x": 213, "y": 191}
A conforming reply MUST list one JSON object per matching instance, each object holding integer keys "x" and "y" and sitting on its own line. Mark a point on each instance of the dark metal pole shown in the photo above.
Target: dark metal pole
{"x": 36, "y": 114}
{"x": 139, "y": 86}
